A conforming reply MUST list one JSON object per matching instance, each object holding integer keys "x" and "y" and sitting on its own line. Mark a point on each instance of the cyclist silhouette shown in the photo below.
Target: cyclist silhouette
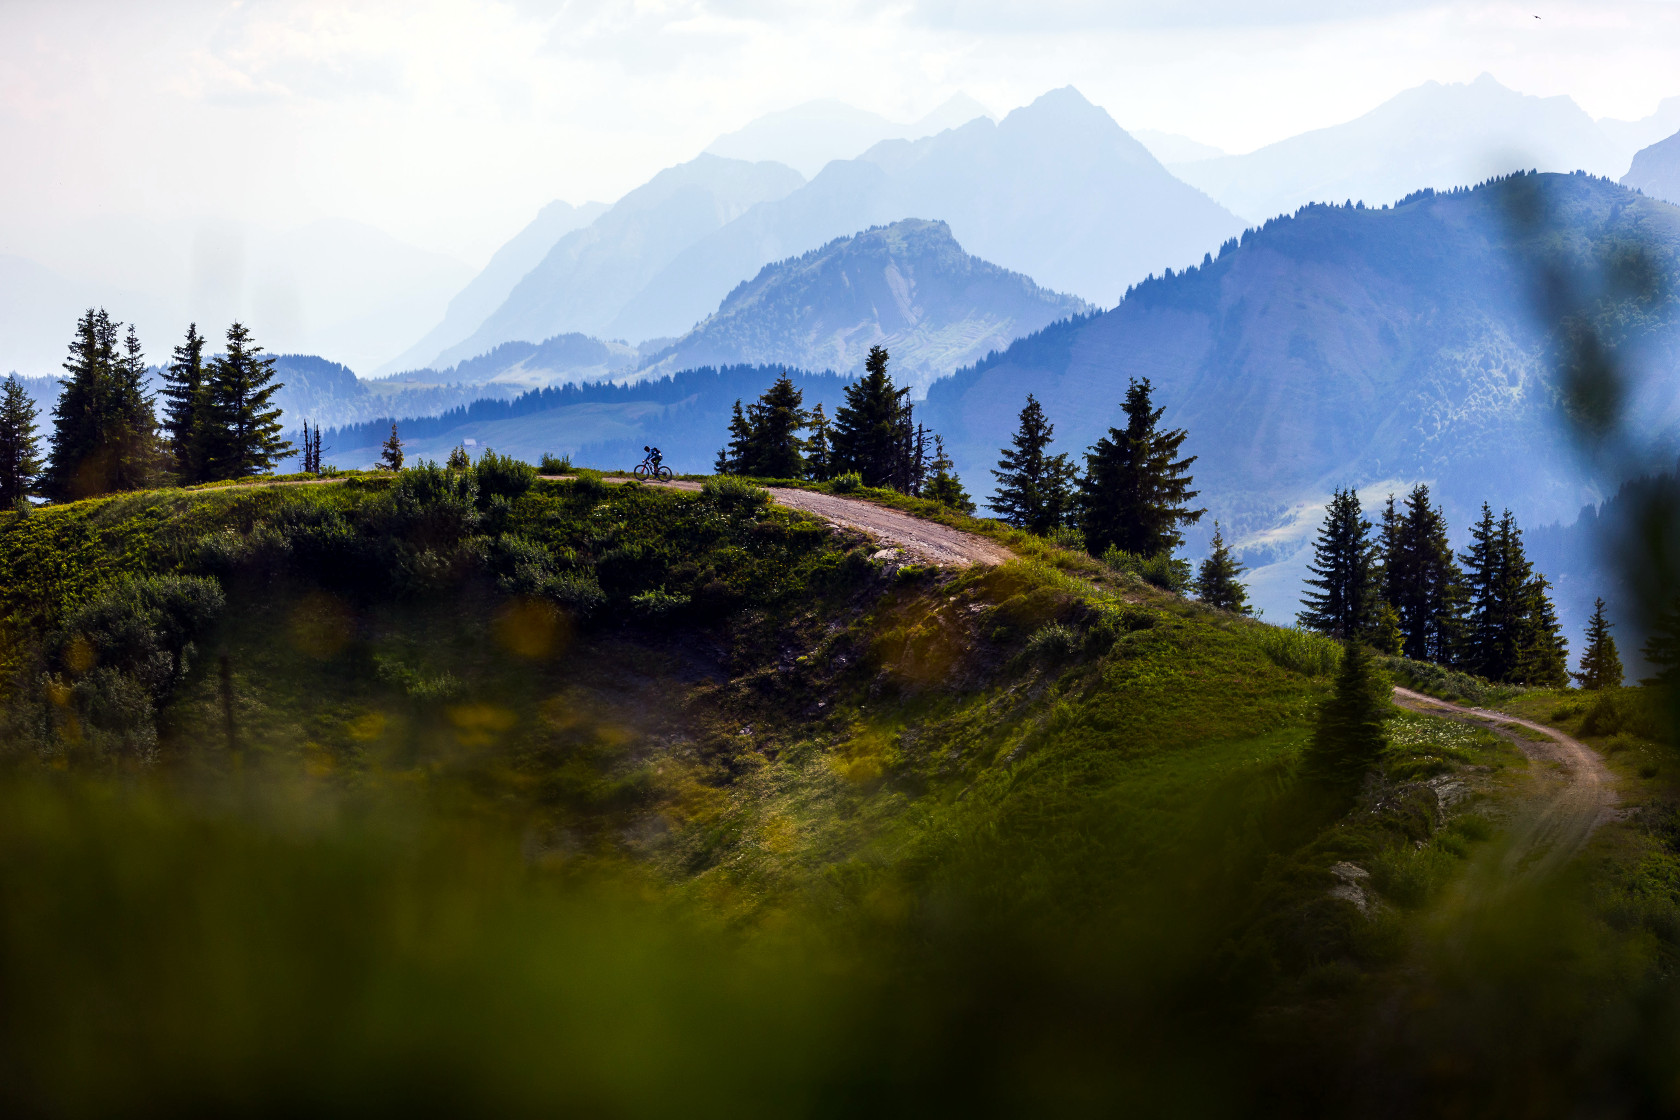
{"x": 653, "y": 466}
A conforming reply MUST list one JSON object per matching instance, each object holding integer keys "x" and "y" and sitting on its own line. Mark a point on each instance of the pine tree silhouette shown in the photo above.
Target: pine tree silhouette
{"x": 20, "y": 447}
{"x": 1342, "y": 600}
{"x": 1035, "y": 489}
{"x": 1136, "y": 489}
{"x": 1601, "y": 666}
{"x": 1216, "y": 581}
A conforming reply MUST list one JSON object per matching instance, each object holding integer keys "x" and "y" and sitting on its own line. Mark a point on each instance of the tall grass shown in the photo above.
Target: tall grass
{"x": 1301, "y": 651}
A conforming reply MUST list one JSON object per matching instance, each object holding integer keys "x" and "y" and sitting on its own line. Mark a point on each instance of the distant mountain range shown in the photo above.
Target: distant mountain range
{"x": 1656, "y": 170}
{"x": 809, "y": 136}
{"x": 908, "y": 287}
{"x": 1436, "y": 135}
{"x": 1344, "y": 346}
{"x": 492, "y": 286}
{"x": 1056, "y": 190}
{"x": 585, "y": 281}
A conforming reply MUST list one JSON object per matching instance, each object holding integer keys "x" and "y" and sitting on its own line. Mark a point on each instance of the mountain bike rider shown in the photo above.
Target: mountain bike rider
{"x": 654, "y": 458}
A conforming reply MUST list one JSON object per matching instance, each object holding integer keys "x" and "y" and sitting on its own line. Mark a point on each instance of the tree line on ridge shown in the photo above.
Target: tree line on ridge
{"x": 219, "y": 422}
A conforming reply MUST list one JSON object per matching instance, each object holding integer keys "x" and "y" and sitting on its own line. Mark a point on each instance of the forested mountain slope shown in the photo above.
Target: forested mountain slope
{"x": 1345, "y": 347}
{"x": 908, "y": 287}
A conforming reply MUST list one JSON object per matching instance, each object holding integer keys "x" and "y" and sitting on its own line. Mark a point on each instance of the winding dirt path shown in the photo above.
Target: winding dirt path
{"x": 1578, "y": 791}
{"x": 926, "y": 542}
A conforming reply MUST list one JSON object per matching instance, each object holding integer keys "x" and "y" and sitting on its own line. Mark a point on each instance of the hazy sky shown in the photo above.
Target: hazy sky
{"x": 449, "y": 123}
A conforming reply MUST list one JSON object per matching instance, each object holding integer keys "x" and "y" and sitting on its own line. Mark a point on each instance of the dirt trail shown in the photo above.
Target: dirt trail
{"x": 1578, "y": 793}
{"x": 926, "y": 542}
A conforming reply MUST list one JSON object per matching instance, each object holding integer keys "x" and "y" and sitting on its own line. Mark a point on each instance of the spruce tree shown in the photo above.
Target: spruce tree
{"x": 20, "y": 450}
{"x": 944, "y": 486}
{"x": 104, "y": 433}
{"x": 1601, "y": 667}
{"x": 391, "y": 452}
{"x": 245, "y": 439}
{"x": 138, "y": 461}
{"x": 1136, "y": 490}
{"x": 1420, "y": 579}
{"x": 1543, "y": 654}
{"x": 1035, "y": 490}
{"x": 1216, "y": 581}
{"x": 1662, "y": 647}
{"x": 772, "y": 448}
{"x": 186, "y": 410}
{"x": 819, "y": 448}
{"x": 869, "y": 435}
{"x": 1342, "y": 600}
{"x": 1504, "y": 620}
{"x": 731, "y": 458}
{"x": 1349, "y": 737}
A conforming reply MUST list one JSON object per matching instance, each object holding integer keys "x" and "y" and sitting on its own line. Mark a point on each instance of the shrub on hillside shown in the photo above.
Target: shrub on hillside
{"x": 1053, "y": 643}
{"x": 846, "y": 483}
{"x": 734, "y": 495}
{"x": 431, "y": 506}
{"x": 555, "y": 464}
{"x": 502, "y": 476}
{"x": 1068, "y": 537}
{"x": 1160, "y": 570}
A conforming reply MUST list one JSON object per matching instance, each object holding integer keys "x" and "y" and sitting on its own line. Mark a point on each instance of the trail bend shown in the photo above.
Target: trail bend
{"x": 1578, "y": 790}
{"x": 925, "y": 542}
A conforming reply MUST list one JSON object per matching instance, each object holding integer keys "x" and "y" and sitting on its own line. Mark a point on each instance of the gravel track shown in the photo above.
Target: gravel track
{"x": 1578, "y": 791}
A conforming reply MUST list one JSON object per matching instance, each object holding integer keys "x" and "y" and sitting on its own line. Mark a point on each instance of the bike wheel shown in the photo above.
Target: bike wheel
{"x": 641, "y": 471}
{"x": 665, "y": 474}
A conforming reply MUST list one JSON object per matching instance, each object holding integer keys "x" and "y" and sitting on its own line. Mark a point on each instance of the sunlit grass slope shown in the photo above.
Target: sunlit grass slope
{"x": 479, "y": 792}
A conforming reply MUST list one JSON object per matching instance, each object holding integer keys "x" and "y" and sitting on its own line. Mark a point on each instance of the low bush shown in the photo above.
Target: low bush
{"x": 502, "y": 476}
{"x": 846, "y": 483}
{"x": 1160, "y": 570}
{"x": 1447, "y": 684}
{"x": 1409, "y": 876}
{"x": 734, "y": 495}
{"x": 1068, "y": 537}
{"x": 555, "y": 464}
{"x": 1053, "y": 643}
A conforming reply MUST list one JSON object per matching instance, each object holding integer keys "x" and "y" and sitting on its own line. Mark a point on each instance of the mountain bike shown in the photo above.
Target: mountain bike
{"x": 651, "y": 467}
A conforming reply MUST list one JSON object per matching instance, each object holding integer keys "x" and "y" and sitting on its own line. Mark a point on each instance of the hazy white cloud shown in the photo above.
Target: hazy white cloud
{"x": 449, "y": 123}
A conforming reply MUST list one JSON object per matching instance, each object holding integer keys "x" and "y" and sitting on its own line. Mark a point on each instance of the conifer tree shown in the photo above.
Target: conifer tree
{"x": 245, "y": 438}
{"x": 1601, "y": 666}
{"x": 1136, "y": 490}
{"x": 1543, "y": 656}
{"x": 869, "y": 429}
{"x": 945, "y": 487}
{"x": 20, "y": 450}
{"x": 1419, "y": 578}
{"x": 1216, "y": 581}
{"x": 1349, "y": 737}
{"x": 819, "y": 450}
{"x": 1662, "y": 647}
{"x": 391, "y": 452}
{"x": 104, "y": 433}
{"x": 731, "y": 458}
{"x": 1385, "y": 631}
{"x": 139, "y": 459}
{"x": 1035, "y": 490}
{"x": 1341, "y": 602}
{"x": 186, "y": 410}
{"x": 1504, "y": 603}
{"x": 772, "y": 448}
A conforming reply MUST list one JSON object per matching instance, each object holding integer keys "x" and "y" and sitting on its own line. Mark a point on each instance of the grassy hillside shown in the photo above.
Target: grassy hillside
{"x": 459, "y": 788}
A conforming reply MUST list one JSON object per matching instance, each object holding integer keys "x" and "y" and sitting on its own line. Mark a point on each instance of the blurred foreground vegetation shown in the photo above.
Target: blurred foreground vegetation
{"x": 460, "y": 791}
